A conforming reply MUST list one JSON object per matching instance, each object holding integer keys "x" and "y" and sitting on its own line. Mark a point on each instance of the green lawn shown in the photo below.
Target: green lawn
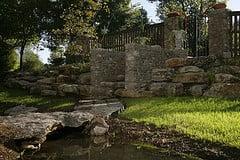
{"x": 14, "y": 97}
{"x": 212, "y": 119}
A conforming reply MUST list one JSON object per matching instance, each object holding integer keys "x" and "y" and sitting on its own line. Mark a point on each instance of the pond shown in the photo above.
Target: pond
{"x": 77, "y": 147}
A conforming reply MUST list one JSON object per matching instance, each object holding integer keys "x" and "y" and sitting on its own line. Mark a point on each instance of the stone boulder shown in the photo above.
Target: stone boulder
{"x": 48, "y": 93}
{"x": 197, "y": 90}
{"x": 167, "y": 89}
{"x": 63, "y": 79}
{"x": 190, "y": 69}
{"x": 23, "y": 84}
{"x": 162, "y": 75}
{"x": 98, "y": 127}
{"x": 47, "y": 81}
{"x": 227, "y": 69}
{"x": 84, "y": 79}
{"x": 84, "y": 90}
{"x": 226, "y": 78}
{"x": 132, "y": 93}
{"x": 20, "y": 110}
{"x": 37, "y": 88}
{"x": 32, "y": 128}
{"x": 68, "y": 89}
{"x": 228, "y": 90}
{"x": 187, "y": 78}
{"x": 31, "y": 79}
{"x": 175, "y": 62}
{"x": 103, "y": 108}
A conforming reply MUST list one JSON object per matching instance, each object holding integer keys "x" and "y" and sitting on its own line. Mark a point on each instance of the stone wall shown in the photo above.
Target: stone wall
{"x": 107, "y": 72}
{"x": 63, "y": 81}
{"x": 219, "y": 36}
{"x": 141, "y": 60}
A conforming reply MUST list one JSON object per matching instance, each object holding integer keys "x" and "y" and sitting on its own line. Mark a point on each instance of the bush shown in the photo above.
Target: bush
{"x": 8, "y": 60}
{"x": 32, "y": 63}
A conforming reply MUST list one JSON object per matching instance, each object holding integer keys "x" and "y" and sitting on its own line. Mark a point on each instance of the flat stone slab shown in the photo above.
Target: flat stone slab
{"x": 32, "y": 128}
{"x": 104, "y": 108}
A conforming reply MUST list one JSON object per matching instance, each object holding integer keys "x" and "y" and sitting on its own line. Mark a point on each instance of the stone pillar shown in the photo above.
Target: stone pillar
{"x": 219, "y": 36}
{"x": 171, "y": 26}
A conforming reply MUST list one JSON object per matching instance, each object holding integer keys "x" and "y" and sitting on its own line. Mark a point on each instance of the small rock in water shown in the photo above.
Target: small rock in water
{"x": 99, "y": 127}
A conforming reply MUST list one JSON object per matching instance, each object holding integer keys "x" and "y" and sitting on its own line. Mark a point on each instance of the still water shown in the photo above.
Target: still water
{"x": 72, "y": 147}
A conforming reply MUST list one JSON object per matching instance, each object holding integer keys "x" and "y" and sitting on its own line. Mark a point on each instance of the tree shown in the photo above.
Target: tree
{"x": 185, "y": 7}
{"x": 31, "y": 61}
{"x": 118, "y": 15}
{"x": 57, "y": 57}
{"x": 20, "y": 23}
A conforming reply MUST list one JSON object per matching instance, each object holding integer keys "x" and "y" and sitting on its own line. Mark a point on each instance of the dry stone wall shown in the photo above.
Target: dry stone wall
{"x": 107, "y": 72}
{"x": 65, "y": 81}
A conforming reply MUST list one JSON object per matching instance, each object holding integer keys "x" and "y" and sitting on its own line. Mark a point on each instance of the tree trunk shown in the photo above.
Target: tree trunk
{"x": 21, "y": 55}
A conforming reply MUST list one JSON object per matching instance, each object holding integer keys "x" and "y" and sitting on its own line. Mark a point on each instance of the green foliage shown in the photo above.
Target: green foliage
{"x": 118, "y": 16}
{"x": 57, "y": 57}
{"x": 13, "y": 60}
{"x": 184, "y": 7}
{"x": 213, "y": 119}
{"x": 14, "y": 97}
{"x": 32, "y": 62}
{"x": 8, "y": 60}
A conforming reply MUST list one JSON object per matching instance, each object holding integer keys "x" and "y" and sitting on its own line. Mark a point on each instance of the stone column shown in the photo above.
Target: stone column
{"x": 171, "y": 26}
{"x": 219, "y": 36}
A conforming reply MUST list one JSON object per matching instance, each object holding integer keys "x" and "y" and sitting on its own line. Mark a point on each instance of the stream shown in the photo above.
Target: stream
{"x": 77, "y": 147}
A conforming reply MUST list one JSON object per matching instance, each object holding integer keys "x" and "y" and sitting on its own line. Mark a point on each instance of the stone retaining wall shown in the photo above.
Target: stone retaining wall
{"x": 141, "y": 60}
{"x": 107, "y": 72}
{"x": 57, "y": 84}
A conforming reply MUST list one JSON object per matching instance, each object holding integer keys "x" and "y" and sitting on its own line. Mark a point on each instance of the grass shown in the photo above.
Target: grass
{"x": 213, "y": 119}
{"x": 13, "y": 97}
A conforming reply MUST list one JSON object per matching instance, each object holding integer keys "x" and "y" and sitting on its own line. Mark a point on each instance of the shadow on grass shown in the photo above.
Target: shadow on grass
{"x": 13, "y": 97}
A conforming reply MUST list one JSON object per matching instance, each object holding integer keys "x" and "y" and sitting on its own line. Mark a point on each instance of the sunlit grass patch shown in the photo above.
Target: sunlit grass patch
{"x": 213, "y": 119}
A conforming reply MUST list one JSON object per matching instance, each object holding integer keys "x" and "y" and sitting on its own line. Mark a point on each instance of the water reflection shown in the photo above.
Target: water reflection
{"x": 74, "y": 148}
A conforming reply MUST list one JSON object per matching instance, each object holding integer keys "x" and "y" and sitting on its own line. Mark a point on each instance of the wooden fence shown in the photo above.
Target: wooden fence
{"x": 235, "y": 33}
{"x": 154, "y": 33}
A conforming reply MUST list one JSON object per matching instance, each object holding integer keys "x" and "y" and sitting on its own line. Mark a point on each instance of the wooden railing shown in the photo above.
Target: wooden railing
{"x": 235, "y": 33}
{"x": 154, "y": 33}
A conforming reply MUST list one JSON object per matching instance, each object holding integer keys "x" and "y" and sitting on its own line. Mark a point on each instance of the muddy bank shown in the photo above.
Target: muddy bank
{"x": 125, "y": 132}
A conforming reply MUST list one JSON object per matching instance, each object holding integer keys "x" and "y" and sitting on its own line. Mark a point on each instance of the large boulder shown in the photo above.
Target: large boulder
{"x": 226, "y": 78}
{"x": 38, "y": 88}
{"x": 228, "y": 90}
{"x": 47, "y": 81}
{"x": 197, "y": 90}
{"x": 132, "y": 93}
{"x": 31, "y": 129}
{"x": 227, "y": 69}
{"x": 176, "y": 62}
{"x": 167, "y": 89}
{"x": 162, "y": 75}
{"x": 104, "y": 108}
{"x": 66, "y": 89}
{"x": 190, "y": 69}
{"x": 98, "y": 127}
{"x": 63, "y": 79}
{"x": 18, "y": 83}
{"x": 48, "y": 93}
{"x": 84, "y": 90}
{"x": 84, "y": 79}
{"x": 187, "y": 78}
